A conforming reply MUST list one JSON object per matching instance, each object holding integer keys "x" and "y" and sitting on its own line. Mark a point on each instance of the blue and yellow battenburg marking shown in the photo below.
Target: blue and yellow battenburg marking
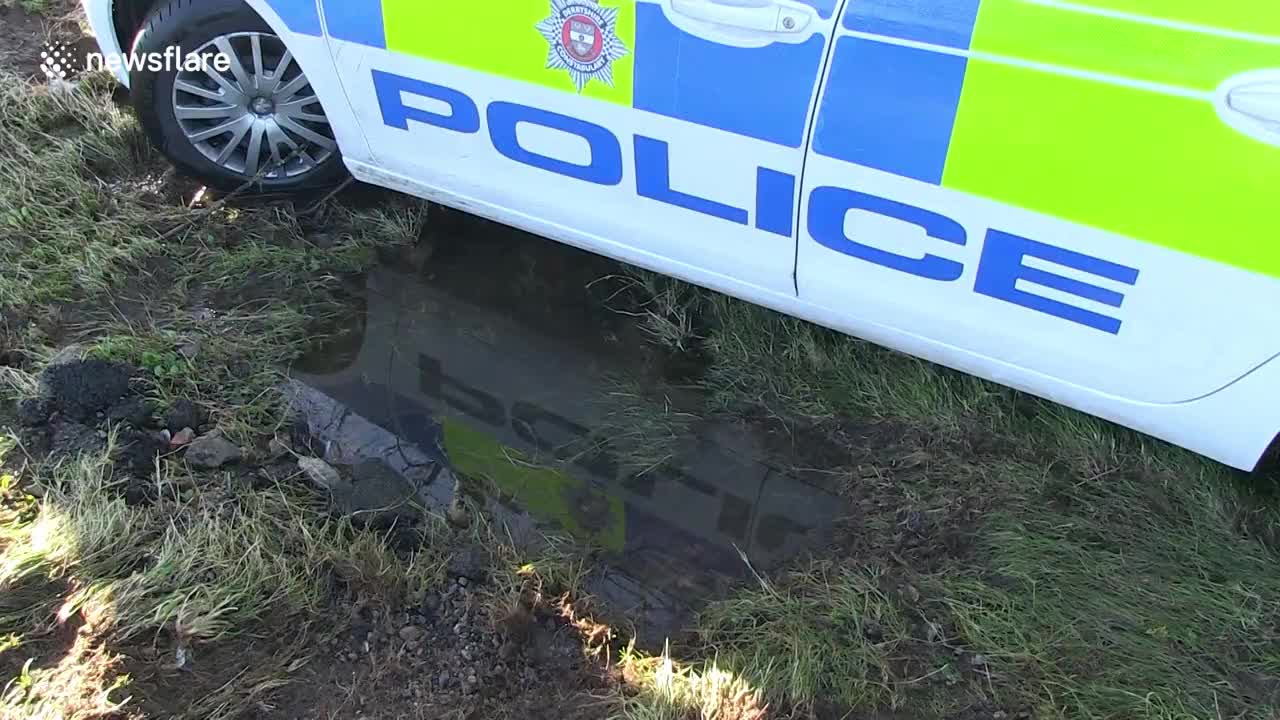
{"x": 1095, "y": 111}
{"x": 1100, "y": 112}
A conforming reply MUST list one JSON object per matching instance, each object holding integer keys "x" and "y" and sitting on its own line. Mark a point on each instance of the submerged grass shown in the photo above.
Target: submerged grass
{"x": 1099, "y": 573}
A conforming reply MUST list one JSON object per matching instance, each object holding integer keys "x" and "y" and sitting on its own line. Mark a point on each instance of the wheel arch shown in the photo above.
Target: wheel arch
{"x": 118, "y": 22}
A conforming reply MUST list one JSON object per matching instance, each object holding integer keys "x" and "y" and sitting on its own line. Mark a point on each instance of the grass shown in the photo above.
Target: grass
{"x": 212, "y": 304}
{"x": 1099, "y": 573}
{"x": 1005, "y": 553}
{"x": 205, "y": 564}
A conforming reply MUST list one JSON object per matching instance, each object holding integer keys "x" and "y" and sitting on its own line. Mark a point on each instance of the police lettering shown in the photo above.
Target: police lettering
{"x": 1000, "y": 266}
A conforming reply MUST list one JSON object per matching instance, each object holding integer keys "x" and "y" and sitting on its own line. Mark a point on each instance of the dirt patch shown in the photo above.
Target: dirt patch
{"x": 24, "y": 35}
{"x": 441, "y": 658}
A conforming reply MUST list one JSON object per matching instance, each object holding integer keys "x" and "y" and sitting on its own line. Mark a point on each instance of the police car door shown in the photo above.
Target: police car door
{"x": 667, "y": 133}
{"x": 1049, "y": 192}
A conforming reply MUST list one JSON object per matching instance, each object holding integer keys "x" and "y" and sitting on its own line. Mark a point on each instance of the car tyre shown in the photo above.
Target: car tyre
{"x": 258, "y": 128}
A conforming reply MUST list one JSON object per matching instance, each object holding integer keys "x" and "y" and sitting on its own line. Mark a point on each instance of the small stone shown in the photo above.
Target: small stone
{"x": 410, "y": 633}
{"x": 212, "y": 451}
{"x": 443, "y": 678}
{"x": 352, "y": 656}
{"x": 999, "y": 715}
{"x": 462, "y": 581}
{"x": 322, "y": 474}
{"x": 978, "y": 660}
{"x": 468, "y": 654}
{"x": 182, "y": 438}
{"x": 458, "y": 628}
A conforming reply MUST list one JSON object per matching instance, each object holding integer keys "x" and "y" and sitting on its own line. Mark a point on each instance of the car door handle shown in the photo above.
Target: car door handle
{"x": 771, "y": 17}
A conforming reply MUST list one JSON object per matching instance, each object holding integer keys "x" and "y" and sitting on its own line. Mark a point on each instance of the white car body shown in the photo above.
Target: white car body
{"x": 804, "y": 209}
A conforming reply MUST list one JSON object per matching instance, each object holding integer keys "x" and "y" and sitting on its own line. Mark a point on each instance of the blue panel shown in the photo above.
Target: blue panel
{"x": 758, "y": 92}
{"x": 301, "y": 16}
{"x": 358, "y": 21}
{"x": 940, "y": 22}
{"x": 890, "y": 107}
{"x": 824, "y": 7}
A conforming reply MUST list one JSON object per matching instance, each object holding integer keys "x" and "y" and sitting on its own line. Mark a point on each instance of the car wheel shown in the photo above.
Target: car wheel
{"x": 258, "y": 126}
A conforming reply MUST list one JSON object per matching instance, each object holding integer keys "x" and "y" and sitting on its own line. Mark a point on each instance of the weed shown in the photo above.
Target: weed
{"x": 664, "y": 689}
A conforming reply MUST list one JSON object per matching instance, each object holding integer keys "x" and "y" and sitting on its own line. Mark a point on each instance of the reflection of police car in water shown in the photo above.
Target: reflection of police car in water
{"x": 1071, "y": 198}
{"x": 514, "y": 407}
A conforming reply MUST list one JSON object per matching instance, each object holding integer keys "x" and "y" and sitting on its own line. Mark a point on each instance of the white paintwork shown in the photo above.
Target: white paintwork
{"x": 100, "y": 15}
{"x": 1219, "y": 396}
{"x": 1233, "y": 425}
{"x": 1200, "y": 337}
{"x": 705, "y": 162}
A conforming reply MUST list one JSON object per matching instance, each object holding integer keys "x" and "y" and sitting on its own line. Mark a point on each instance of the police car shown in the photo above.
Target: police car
{"x": 1077, "y": 198}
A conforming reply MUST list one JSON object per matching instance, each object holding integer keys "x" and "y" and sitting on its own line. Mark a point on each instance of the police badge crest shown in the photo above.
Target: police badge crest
{"x": 584, "y": 40}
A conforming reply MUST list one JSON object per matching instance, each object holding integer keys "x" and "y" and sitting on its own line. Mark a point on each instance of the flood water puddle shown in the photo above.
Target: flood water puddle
{"x": 501, "y": 365}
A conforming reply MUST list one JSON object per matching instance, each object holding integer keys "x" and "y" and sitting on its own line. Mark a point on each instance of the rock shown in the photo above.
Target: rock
{"x": 999, "y": 715}
{"x": 212, "y": 451}
{"x": 978, "y": 660}
{"x": 33, "y": 412}
{"x": 183, "y": 437}
{"x": 323, "y": 475}
{"x": 72, "y": 438}
{"x": 184, "y": 414}
{"x": 81, "y": 388}
{"x": 131, "y": 411}
{"x": 443, "y": 678}
{"x": 378, "y": 496}
{"x": 410, "y": 633}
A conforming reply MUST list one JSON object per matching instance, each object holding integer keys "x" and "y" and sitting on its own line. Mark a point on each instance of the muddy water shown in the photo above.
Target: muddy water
{"x": 497, "y": 365}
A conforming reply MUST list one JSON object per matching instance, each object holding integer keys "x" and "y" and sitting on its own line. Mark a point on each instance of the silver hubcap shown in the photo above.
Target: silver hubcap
{"x": 262, "y": 118}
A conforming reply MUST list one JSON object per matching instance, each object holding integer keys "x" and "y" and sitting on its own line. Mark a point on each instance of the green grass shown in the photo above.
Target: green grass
{"x": 38, "y": 7}
{"x": 213, "y": 304}
{"x": 1100, "y": 573}
{"x": 203, "y": 564}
